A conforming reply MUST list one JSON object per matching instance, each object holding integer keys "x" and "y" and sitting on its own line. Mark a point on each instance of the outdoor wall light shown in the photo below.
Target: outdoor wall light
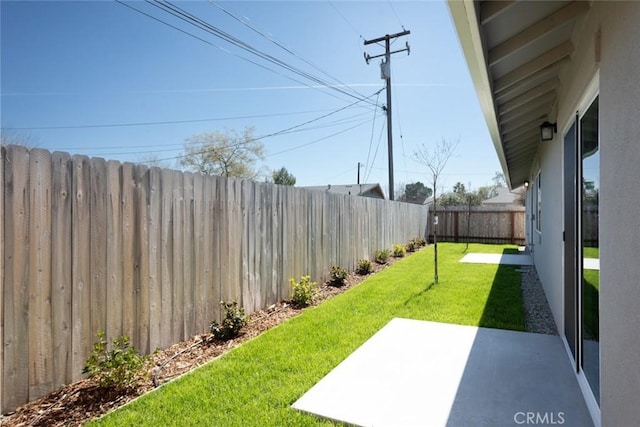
{"x": 547, "y": 130}
{"x": 526, "y": 184}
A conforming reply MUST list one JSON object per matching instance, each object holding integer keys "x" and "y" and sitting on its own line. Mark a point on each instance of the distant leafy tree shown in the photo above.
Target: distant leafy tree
{"x": 459, "y": 188}
{"x": 226, "y": 153}
{"x": 499, "y": 180}
{"x": 283, "y": 177}
{"x": 152, "y": 159}
{"x": 415, "y": 193}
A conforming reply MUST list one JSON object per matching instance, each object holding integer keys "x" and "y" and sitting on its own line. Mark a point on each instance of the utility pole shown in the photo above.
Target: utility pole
{"x": 385, "y": 69}
{"x": 358, "y": 173}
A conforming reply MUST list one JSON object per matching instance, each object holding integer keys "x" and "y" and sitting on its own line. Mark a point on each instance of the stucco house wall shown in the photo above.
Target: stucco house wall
{"x": 620, "y": 227}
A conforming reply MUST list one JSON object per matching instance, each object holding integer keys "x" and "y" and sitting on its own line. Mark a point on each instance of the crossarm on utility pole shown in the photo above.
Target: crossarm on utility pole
{"x": 386, "y": 72}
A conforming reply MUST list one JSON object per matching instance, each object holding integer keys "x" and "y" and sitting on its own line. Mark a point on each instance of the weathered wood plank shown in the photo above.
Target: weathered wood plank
{"x": 246, "y": 240}
{"x": 142, "y": 203}
{"x": 235, "y": 242}
{"x": 98, "y": 238}
{"x": 188, "y": 279}
{"x": 266, "y": 259}
{"x": 16, "y": 290}
{"x": 217, "y": 232}
{"x": 210, "y": 308}
{"x": 61, "y": 254}
{"x": 199, "y": 255}
{"x": 223, "y": 225}
{"x": 155, "y": 251}
{"x": 129, "y": 255}
{"x": 178, "y": 208}
{"x": 166, "y": 321}
{"x": 39, "y": 320}
{"x": 81, "y": 333}
{"x": 114, "y": 289}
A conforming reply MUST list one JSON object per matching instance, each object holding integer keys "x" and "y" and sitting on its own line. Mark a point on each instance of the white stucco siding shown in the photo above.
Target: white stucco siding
{"x": 619, "y": 223}
{"x": 548, "y": 244}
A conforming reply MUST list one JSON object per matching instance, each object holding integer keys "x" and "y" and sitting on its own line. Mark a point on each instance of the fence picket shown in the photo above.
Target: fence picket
{"x": 61, "y": 296}
{"x": 16, "y": 291}
{"x": 81, "y": 336}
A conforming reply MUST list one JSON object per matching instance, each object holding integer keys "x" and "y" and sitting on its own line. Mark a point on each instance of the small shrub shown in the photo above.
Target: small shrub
{"x": 364, "y": 267}
{"x": 338, "y": 276}
{"x": 399, "y": 251}
{"x": 419, "y": 242}
{"x": 304, "y": 291}
{"x": 119, "y": 368}
{"x": 234, "y": 320}
{"x": 411, "y": 246}
{"x": 382, "y": 256}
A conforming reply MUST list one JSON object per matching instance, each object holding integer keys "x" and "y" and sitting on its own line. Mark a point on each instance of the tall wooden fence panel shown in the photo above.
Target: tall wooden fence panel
{"x": 479, "y": 224}
{"x": 89, "y": 245}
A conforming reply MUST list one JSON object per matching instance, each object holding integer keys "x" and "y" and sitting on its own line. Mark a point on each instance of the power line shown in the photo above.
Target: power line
{"x": 281, "y": 46}
{"x": 372, "y": 132}
{"x": 376, "y": 153}
{"x": 318, "y": 140}
{"x": 156, "y": 149}
{"x": 193, "y": 20}
{"x": 169, "y": 122}
{"x": 396, "y": 14}
{"x": 225, "y": 50}
{"x": 283, "y": 131}
{"x": 355, "y": 30}
{"x": 404, "y": 156}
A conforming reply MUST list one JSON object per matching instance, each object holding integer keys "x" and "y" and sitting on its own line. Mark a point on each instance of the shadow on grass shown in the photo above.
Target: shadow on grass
{"x": 511, "y": 251}
{"x": 419, "y": 295}
{"x": 504, "y": 309}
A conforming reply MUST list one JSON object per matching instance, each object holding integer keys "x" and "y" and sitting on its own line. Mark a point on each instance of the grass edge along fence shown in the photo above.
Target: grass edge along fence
{"x": 92, "y": 245}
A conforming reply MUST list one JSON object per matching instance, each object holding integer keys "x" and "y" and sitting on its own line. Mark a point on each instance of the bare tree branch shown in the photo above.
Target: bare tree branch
{"x": 435, "y": 159}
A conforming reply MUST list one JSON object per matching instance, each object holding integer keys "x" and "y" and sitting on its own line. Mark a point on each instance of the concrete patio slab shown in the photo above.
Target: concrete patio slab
{"x": 416, "y": 373}
{"x": 591, "y": 263}
{"x": 523, "y": 259}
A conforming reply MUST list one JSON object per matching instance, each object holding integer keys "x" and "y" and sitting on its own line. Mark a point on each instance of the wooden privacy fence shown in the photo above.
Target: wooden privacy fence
{"x": 486, "y": 224}
{"x": 90, "y": 245}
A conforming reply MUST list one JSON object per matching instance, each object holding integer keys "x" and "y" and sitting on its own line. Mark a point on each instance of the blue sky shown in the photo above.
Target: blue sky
{"x": 71, "y": 68}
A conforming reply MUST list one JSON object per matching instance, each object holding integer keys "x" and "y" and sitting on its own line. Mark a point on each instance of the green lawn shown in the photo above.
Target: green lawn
{"x": 255, "y": 384}
{"x": 591, "y": 291}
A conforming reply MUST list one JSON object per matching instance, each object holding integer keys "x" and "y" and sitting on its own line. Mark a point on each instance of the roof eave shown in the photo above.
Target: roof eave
{"x": 465, "y": 19}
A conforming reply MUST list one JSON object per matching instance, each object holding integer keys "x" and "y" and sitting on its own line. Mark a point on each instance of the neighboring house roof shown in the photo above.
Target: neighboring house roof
{"x": 428, "y": 201}
{"x": 516, "y": 53}
{"x": 365, "y": 190}
{"x": 504, "y": 197}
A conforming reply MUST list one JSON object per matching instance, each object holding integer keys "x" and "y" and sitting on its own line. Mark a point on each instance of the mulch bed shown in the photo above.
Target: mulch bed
{"x": 83, "y": 400}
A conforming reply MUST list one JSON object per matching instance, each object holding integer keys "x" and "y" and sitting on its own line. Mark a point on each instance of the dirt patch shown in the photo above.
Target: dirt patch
{"x": 83, "y": 400}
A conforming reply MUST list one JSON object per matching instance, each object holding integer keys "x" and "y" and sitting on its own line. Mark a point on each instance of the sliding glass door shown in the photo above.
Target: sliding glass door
{"x": 590, "y": 251}
{"x": 581, "y": 244}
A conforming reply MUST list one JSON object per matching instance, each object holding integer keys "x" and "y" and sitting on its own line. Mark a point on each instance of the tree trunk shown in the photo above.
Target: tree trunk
{"x": 435, "y": 232}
